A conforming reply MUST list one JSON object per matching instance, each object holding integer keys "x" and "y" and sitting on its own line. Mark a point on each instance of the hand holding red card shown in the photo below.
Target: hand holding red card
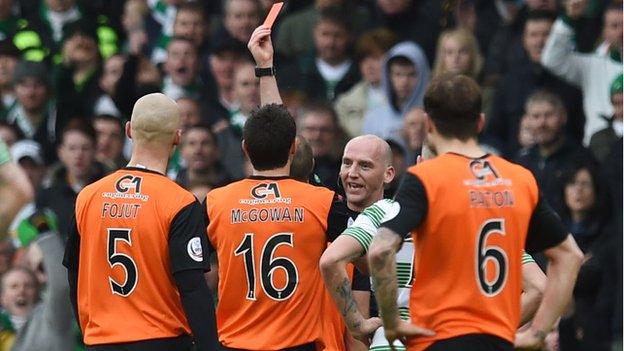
{"x": 270, "y": 18}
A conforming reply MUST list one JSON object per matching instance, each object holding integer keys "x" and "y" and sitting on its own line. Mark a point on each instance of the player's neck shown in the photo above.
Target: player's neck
{"x": 149, "y": 161}
{"x": 277, "y": 172}
{"x": 469, "y": 148}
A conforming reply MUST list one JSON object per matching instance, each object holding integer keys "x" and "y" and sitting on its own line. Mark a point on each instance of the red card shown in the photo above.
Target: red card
{"x": 275, "y": 10}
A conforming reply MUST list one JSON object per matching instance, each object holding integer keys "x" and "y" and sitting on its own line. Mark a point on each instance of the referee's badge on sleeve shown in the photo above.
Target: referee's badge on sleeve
{"x": 194, "y": 249}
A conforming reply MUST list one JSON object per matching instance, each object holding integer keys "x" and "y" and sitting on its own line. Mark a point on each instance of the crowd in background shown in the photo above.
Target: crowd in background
{"x": 71, "y": 70}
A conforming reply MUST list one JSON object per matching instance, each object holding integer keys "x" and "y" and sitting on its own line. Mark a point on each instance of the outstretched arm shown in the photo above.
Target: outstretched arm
{"x": 261, "y": 48}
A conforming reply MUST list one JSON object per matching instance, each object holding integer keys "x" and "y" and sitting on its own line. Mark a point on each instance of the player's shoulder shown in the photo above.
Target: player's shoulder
{"x": 513, "y": 169}
{"x": 381, "y": 211}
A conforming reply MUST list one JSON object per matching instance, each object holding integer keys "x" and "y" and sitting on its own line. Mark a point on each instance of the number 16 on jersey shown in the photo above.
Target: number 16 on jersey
{"x": 268, "y": 265}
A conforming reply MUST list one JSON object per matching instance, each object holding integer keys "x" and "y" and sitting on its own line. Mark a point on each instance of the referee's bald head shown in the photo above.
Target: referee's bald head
{"x": 155, "y": 118}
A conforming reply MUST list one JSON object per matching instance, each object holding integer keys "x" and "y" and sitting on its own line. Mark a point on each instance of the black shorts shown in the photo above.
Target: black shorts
{"x": 181, "y": 343}
{"x": 305, "y": 347}
{"x": 472, "y": 342}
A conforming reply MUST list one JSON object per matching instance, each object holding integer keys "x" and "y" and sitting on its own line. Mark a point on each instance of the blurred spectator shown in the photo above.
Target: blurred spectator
{"x": 40, "y": 36}
{"x": 246, "y": 95}
{"x": 38, "y": 304}
{"x": 585, "y": 214}
{"x": 77, "y": 78}
{"x": 240, "y": 18}
{"x": 110, "y": 138}
{"x": 458, "y": 53}
{"x": 602, "y": 141}
{"x": 413, "y": 134}
{"x": 162, "y": 14}
{"x": 553, "y": 153}
{"x": 294, "y": 38}
{"x": 330, "y": 71}
{"x": 367, "y": 94}
{"x": 8, "y": 20}
{"x": 27, "y": 154}
{"x": 405, "y": 75}
{"x": 503, "y": 49}
{"x": 77, "y": 169}
{"x": 9, "y": 133}
{"x": 200, "y": 153}
{"x": 189, "y": 112}
{"x": 181, "y": 68}
{"x": 419, "y": 21}
{"x": 526, "y": 134}
{"x": 222, "y": 63}
{"x": 15, "y": 190}
{"x": 191, "y": 23}
{"x": 526, "y": 76}
{"x": 111, "y": 74}
{"x": 9, "y": 56}
{"x": 587, "y": 71}
{"x": 319, "y": 126}
{"x": 34, "y": 112}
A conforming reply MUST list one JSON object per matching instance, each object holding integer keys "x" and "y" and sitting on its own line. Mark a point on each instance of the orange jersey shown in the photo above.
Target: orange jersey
{"x": 128, "y": 226}
{"x": 269, "y": 234}
{"x": 469, "y": 245}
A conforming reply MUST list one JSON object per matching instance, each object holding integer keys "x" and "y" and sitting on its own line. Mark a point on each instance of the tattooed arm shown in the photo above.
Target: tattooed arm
{"x": 381, "y": 259}
{"x": 343, "y": 250}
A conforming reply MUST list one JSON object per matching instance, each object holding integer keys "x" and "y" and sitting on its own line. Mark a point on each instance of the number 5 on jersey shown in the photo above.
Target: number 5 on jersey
{"x": 115, "y": 258}
{"x": 268, "y": 265}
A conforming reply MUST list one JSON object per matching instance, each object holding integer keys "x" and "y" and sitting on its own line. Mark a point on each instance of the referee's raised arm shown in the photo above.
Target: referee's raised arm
{"x": 261, "y": 48}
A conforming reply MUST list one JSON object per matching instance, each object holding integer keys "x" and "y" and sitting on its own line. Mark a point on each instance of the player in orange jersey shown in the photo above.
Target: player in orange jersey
{"x": 135, "y": 254}
{"x": 470, "y": 215}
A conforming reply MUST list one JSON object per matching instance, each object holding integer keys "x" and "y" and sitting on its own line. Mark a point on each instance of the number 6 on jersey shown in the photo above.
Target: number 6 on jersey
{"x": 268, "y": 265}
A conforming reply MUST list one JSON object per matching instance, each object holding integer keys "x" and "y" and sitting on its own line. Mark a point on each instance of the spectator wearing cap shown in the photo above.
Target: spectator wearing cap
{"x": 77, "y": 168}
{"x": 219, "y": 101}
{"x": 295, "y": 35}
{"x": 9, "y": 56}
{"x": 352, "y": 105}
{"x": 27, "y": 154}
{"x": 329, "y": 71}
{"x": 34, "y": 112}
{"x": 603, "y": 140}
{"x": 77, "y": 77}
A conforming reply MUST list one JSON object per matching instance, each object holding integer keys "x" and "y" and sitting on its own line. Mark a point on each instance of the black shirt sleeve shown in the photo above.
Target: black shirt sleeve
{"x": 412, "y": 197}
{"x": 196, "y": 301}
{"x": 188, "y": 242}
{"x": 204, "y": 207}
{"x": 70, "y": 260}
{"x": 361, "y": 282}
{"x": 337, "y": 219}
{"x": 72, "y": 247}
{"x": 545, "y": 228}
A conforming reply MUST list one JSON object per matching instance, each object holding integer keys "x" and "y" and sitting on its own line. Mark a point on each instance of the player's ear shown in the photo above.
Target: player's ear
{"x": 244, "y": 147}
{"x": 293, "y": 148}
{"x": 481, "y": 122}
{"x": 389, "y": 174}
{"x": 129, "y": 130}
{"x": 429, "y": 126}
{"x": 177, "y": 137}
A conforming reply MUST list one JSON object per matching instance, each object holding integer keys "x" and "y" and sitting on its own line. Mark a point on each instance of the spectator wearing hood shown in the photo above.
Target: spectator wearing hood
{"x": 405, "y": 76}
